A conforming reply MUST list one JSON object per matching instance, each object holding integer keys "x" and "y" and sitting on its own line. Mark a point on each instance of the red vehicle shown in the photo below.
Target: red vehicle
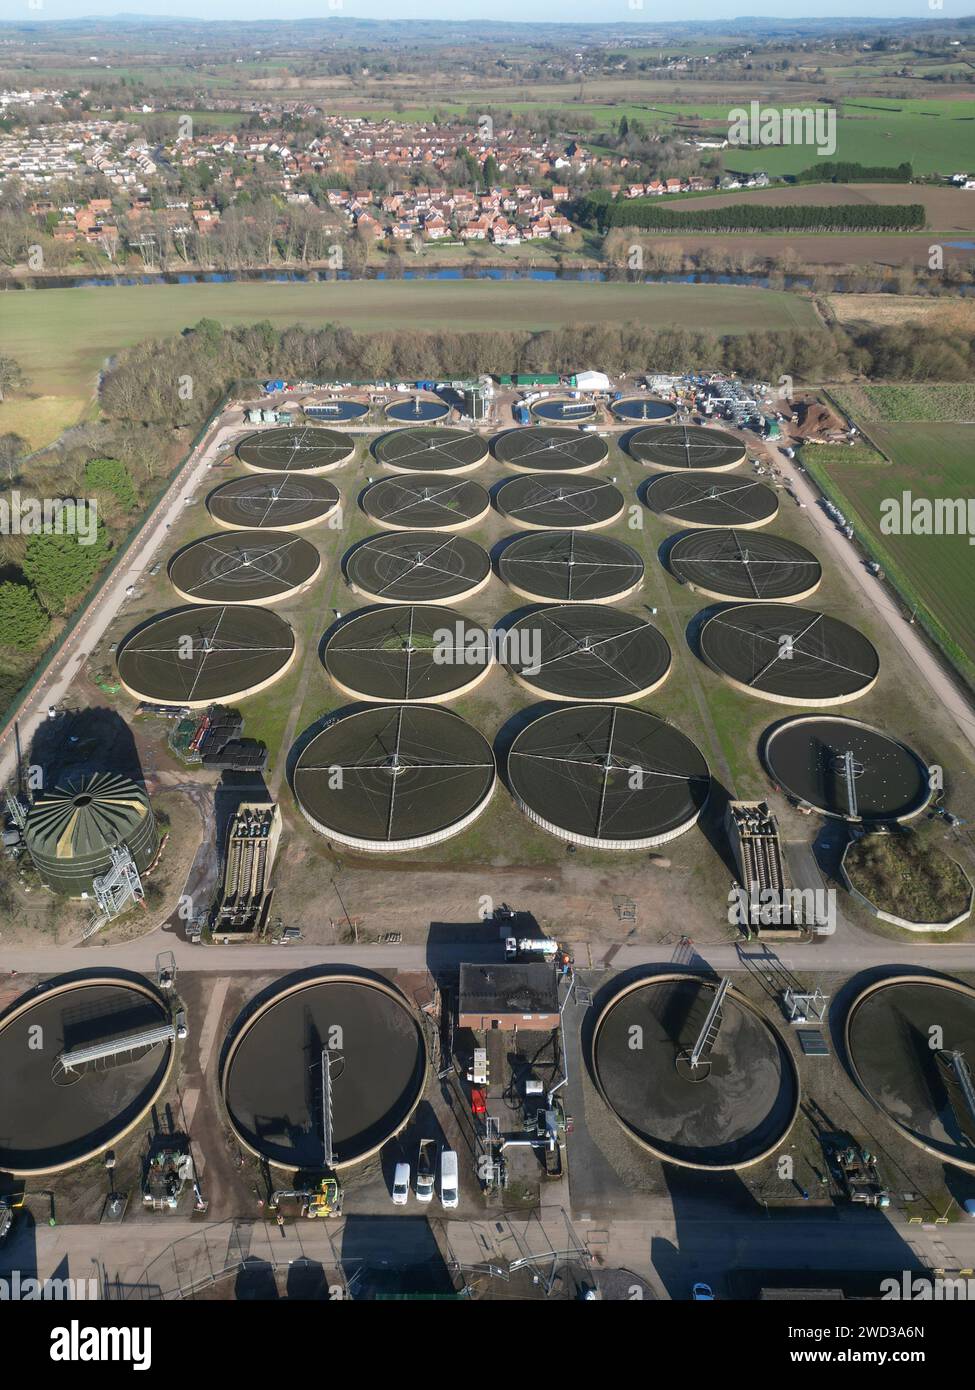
{"x": 478, "y": 1101}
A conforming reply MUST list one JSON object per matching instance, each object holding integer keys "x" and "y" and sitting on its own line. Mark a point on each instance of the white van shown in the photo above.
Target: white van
{"x": 401, "y": 1184}
{"x": 448, "y": 1178}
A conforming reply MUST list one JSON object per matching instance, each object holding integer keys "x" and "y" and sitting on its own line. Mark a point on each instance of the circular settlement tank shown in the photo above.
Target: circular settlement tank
{"x": 417, "y": 410}
{"x": 843, "y": 767}
{"x": 917, "y": 1087}
{"x": 71, "y": 831}
{"x": 643, "y": 408}
{"x": 50, "y": 1121}
{"x": 272, "y": 1073}
{"x": 730, "y": 1112}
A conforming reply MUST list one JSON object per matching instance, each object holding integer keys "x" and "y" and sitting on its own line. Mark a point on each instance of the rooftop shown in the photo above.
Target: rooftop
{"x": 509, "y": 988}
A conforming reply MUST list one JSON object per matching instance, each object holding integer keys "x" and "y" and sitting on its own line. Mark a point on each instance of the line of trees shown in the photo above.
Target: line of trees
{"x": 842, "y": 171}
{"x": 647, "y": 214}
{"x": 143, "y": 387}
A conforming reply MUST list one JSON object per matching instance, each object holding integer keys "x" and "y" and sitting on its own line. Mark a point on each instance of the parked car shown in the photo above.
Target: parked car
{"x": 426, "y": 1170}
{"x": 448, "y": 1178}
{"x": 401, "y": 1185}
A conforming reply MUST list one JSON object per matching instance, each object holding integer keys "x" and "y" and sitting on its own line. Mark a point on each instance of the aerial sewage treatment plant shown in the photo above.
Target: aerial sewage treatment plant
{"x": 550, "y": 449}
{"x": 321, "y": 1073}
{"x": 687, "y": 447}
{"x": 570, "y": 567}
{"x": 430, "y": 450}
{"x": 694, "y": 1072}
{"x": 107, "y": 1055}
{"x": 417, "y": 567}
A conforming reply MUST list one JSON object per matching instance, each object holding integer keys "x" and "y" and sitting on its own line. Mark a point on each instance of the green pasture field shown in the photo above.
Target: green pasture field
{"x": 62, "y": 338}
{"x": 937, "y": 572}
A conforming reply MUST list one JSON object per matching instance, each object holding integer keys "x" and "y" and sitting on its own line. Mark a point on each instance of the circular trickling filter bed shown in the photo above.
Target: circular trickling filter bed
{"x": 194, "y": 656}
{"x": 425, "y": 502}
{"x": 54, "y": 1119}
{"x": 570, "y": 566}
{"x": 544, "y": 502}
{"x": 431, "y": 451}
{"x": 902, "y": 1037}
{"x": 585, "y": 651}
{"x": 730, "y": 1112}
{"x": 815, "y": 758}
{"x": 729, "y": 564}
{"x": 417, "y": 410}
{"x": 608, "y": 776}
{"x": 708, "y": 500}
{"x": 283, "y": 502}
{"x": 549, "y": 449}
{"x": 407, "y": 653}
{"x": 272, "y": 1073}
{"x": 687, "y": 446}
{"x": 244, "y": 567}
{"x": 418, "y": 567}
{"x": 790, "y": 655}
{"x": 305, "y": 450}
{"x": 643, "y": 408}
{"x": 563, "y": 410}
{"x": 395, "y": 777}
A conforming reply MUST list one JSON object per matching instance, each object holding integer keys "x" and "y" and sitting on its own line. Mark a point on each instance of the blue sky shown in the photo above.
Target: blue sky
{"x": 610, "y": 11}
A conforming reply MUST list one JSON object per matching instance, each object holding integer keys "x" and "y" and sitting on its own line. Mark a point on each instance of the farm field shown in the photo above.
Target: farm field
{"x": 64, "y": 337}
{"x": 929, "y": 461}
{"x": 901, "y": 308}
{"x": 945, "y": 402}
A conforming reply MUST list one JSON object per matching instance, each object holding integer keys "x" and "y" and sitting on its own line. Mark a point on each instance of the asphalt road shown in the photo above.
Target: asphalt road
{"x": 833, "y": 954}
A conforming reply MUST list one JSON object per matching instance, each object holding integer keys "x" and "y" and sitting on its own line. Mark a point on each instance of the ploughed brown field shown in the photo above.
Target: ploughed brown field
{"x": 948, "y": 209}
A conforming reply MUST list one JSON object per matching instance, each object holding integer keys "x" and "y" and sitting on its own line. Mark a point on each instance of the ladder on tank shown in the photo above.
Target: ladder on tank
{"x": 712, "y": 1026}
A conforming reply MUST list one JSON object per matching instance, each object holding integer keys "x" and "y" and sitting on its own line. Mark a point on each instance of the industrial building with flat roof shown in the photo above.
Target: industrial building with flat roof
{"x": 509, "y": 997}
